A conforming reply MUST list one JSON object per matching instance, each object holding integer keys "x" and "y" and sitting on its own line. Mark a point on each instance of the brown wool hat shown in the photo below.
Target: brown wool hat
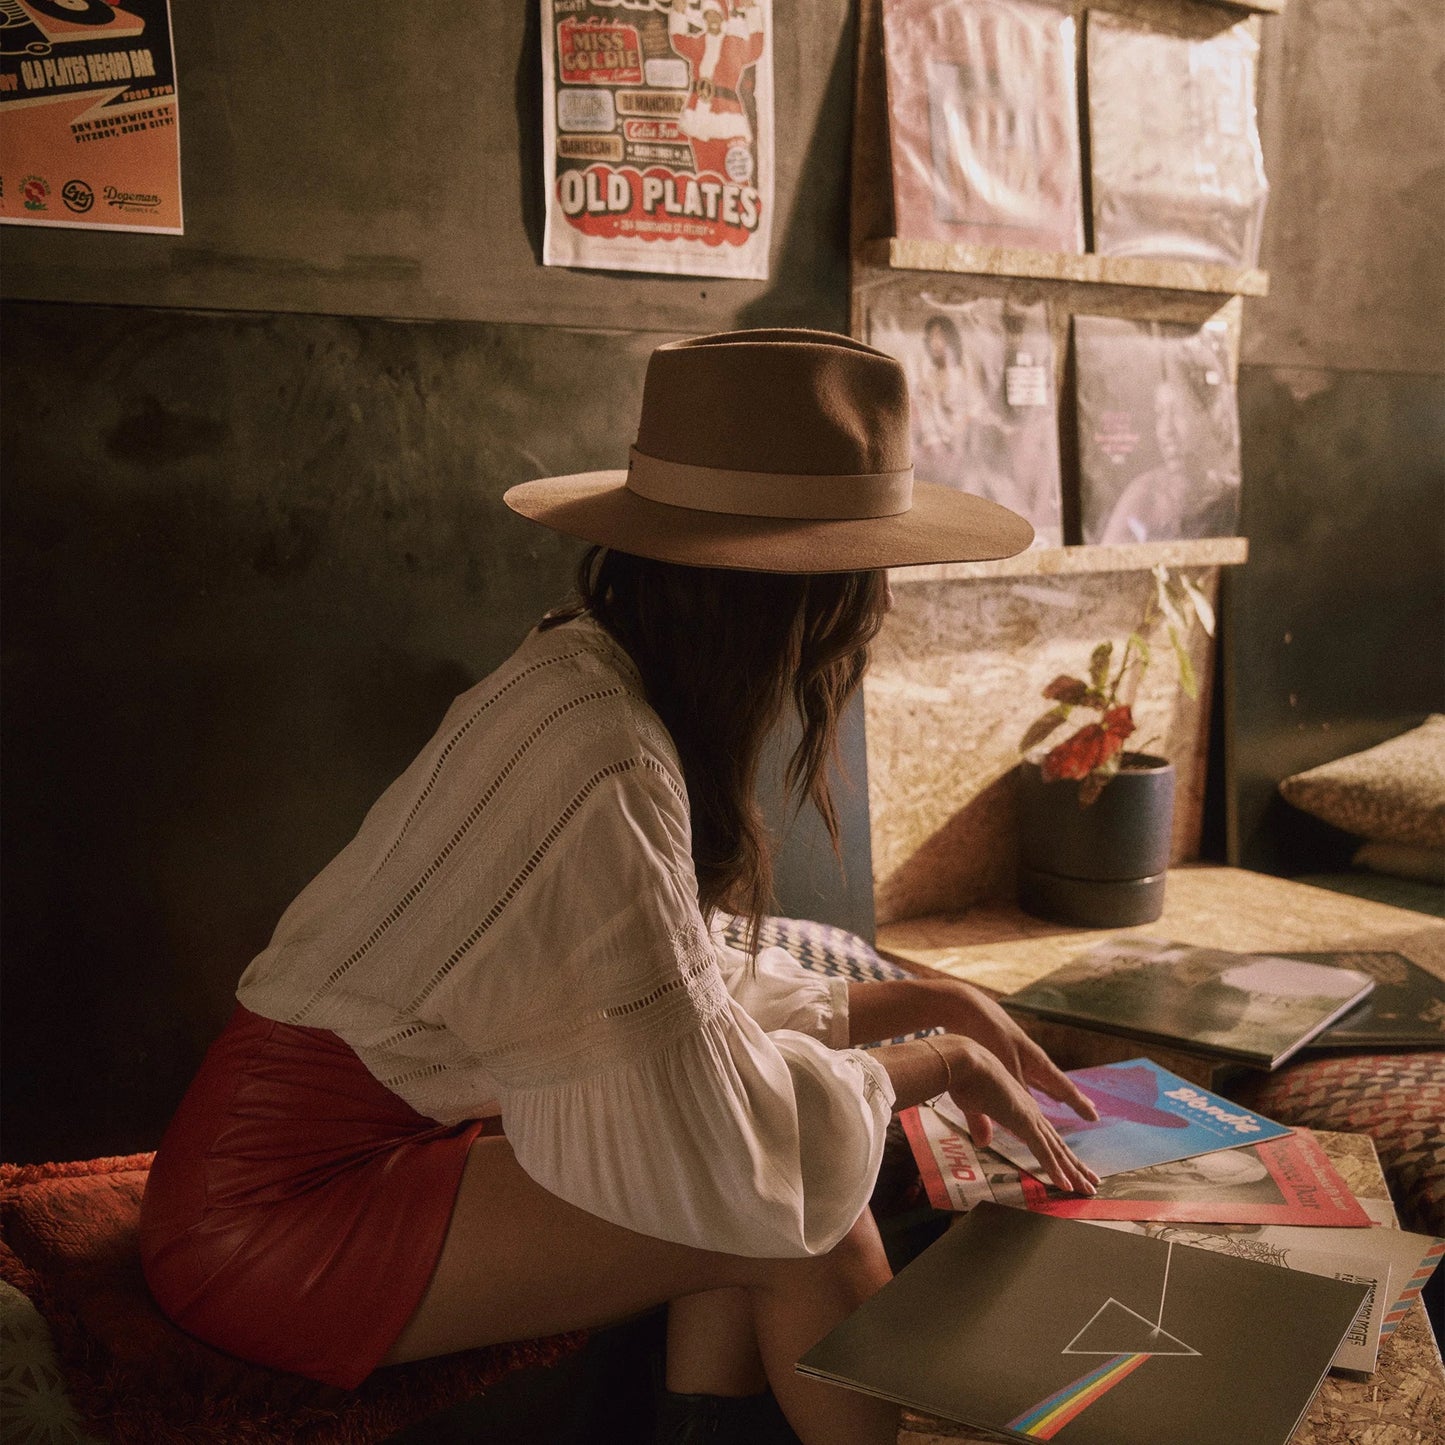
{"x": 774, "y": 451}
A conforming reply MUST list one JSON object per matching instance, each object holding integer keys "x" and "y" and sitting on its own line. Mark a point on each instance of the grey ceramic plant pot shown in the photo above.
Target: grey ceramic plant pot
{"x": 1103, "y": 864}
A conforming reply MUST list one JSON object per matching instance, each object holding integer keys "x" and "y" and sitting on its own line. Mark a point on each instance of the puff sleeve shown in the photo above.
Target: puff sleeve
{"x": 637, "y": 1087}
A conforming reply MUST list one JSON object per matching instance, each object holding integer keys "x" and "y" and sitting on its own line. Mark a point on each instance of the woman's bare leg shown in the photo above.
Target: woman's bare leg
{"x": 712, "y": 1347}
{"x": 519, "y": 1262}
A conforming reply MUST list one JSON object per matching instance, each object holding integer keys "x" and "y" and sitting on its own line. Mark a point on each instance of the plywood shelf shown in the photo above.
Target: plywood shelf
{"x": 1076, "y": 561}
{"x": 953, "y": 258}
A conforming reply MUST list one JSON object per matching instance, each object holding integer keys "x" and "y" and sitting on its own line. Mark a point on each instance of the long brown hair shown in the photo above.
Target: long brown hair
{"x": 721, "y": 654}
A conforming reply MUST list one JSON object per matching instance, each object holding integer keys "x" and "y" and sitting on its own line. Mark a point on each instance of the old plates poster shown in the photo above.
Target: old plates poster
{"x": 88, "y": 125}
{"x": 658, "y": 135}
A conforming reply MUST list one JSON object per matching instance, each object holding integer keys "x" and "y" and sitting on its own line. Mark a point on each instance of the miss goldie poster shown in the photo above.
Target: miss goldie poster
{"x": 88, "y": 128}
{"x": 659, "y": 135}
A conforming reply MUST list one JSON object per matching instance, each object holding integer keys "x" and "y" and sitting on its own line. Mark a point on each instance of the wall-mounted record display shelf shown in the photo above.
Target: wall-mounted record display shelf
{"x": 1079, "y": 561}
{"x": 896, "y": 254}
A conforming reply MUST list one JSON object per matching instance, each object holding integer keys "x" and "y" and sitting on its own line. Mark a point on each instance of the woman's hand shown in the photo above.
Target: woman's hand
{"x": 990, "y": 1093}
{"x": 978, "y": 1017}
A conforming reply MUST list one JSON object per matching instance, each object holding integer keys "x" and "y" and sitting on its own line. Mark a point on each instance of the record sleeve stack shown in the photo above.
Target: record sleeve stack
{"x": 977, "y": 122}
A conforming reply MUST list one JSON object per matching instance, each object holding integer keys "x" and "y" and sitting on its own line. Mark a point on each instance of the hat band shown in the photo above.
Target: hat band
{"x": 850, "y": 497}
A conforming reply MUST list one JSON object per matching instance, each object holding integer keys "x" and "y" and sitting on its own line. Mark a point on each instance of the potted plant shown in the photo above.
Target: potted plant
{"x": 1096, "y": 816}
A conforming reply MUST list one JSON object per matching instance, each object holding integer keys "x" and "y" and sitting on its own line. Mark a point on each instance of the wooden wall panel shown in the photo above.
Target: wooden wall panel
{"x": 386, "y": 161}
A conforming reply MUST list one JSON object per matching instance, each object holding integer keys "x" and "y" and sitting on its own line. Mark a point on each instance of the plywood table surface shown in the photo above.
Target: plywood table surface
{"x": 1401, "y": 1403}
{"x": 1001, "y": 949}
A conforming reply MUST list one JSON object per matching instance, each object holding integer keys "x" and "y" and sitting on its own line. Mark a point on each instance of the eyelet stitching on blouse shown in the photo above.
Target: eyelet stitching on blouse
{"x": 551, "y": 836}
{"x": 456, "y": 738}
{"x": 432, "y": 868}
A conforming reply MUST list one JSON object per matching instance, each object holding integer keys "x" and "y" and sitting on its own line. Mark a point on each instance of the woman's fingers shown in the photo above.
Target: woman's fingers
{"x": 1045, "y": 1075}
{"x": 980, "y": 1128}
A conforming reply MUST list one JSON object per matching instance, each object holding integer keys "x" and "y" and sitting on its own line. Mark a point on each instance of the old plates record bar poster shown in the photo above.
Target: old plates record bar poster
{"x": 658, "y": 135}
{"x": 88, "y": 127}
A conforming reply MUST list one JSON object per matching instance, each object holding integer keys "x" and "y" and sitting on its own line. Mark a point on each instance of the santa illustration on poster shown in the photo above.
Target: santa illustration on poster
{"x": 719, "y": 48}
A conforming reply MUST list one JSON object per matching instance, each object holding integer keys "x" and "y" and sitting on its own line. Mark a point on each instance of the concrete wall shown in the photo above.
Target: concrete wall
{"x": 1335, "y": 630}
{"x": 253, "y": 535}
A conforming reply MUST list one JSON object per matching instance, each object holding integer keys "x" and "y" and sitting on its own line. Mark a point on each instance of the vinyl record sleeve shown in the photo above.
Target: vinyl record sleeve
{"x": 983, "y": 123}
{"x": 1287, "y": 1181}
{"x": 981, "y": 388}
{"x": 1399, "y": 1261}
{"x": 1176, "y": 163}
{"x": 1406, "y": 1010}
{"x": 1259, "y": 1008}
{"x": 1146, "y": 1116}
{"x": 1158, "y": 431}
{"x": 1020, "y": 1324}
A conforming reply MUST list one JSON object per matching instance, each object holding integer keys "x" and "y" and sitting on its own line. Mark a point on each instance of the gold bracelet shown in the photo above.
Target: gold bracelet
{"x": 947, "y": 1067}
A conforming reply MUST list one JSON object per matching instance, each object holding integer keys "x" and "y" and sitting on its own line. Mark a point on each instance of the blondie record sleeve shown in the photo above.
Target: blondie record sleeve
{"x": 983, "y": 123}
{"x": 658, "y": 135}
{"x": 1146, "y": 1116}
{"x": 1034, "y": 1328}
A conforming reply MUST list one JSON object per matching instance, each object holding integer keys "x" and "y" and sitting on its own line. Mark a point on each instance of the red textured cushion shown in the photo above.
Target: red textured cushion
{"x": 69, "y": 1235}
{"x": 1397, "y": 1099}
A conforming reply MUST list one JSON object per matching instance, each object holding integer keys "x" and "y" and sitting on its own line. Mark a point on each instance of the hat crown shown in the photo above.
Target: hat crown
{"x": 787, "y": 402}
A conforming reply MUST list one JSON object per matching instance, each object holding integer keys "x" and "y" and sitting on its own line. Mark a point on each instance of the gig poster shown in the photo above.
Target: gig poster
{"x": 658, "y": 135}
{"x": 88, "y": 125}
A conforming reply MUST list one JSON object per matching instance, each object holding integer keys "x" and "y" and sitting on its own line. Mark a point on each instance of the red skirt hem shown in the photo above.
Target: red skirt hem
{"x": 297, "y": 1207}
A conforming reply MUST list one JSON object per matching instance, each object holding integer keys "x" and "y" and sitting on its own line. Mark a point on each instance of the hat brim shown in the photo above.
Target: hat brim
{"x": 942, "y": 525}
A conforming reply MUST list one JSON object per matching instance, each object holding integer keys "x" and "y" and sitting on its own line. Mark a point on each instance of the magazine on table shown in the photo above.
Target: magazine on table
{"x": 1158, "y": 427}
{"x": 1020, "y": 1324}
{"x": 983, "y": 123}
{"x": 1146, "y": 1116}
{"x": 1254, "y": 1007}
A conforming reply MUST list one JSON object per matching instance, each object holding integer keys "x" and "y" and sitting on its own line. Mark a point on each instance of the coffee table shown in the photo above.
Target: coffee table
{"x": 1000, "y": 949}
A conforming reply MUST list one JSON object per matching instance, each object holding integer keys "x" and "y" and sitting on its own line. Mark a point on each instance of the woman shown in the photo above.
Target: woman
{"x": 522, "y": 938}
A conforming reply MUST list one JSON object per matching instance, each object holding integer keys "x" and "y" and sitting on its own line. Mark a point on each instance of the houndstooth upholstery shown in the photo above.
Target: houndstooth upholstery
{"x": 1397, "y": 1099}
{"x": 820, "y": 947}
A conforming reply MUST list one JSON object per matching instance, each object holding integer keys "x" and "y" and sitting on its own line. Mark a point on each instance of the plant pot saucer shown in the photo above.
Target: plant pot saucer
{"x": 1091, "y": 902}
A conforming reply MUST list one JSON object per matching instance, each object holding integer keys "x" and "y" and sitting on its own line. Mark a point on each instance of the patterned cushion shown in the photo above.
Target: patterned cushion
{"x": 818, "y": 946}
{"x": 1397, "y": 1099}
{"x": 68, "y": 1247}
{"x": 1393, "y": 793}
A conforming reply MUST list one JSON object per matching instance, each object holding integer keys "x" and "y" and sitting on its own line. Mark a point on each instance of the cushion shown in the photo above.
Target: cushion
{"x": 821, "y": 947}
{"x": 68, "y": 1243}
{"x": 1397, "y": 1099}
{"x": 1403, "y": 860}
{"x": 1393, "y": 793}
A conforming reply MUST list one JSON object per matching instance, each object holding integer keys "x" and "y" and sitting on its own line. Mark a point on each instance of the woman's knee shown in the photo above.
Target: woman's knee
{"x": 857, "y": 1260}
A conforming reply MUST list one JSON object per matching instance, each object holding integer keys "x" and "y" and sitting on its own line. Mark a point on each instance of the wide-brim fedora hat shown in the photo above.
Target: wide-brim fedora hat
{"x": 774, "y": 451}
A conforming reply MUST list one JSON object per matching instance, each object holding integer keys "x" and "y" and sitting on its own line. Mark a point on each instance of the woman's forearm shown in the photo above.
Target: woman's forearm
{"x": 894, "y": 1006}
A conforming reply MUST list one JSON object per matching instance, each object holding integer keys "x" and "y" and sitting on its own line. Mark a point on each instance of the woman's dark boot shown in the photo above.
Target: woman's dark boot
{"x": 721, "y": 1420}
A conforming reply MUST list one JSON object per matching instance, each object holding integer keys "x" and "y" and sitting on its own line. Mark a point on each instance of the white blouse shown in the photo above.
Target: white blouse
{"x": 515, "y": 929}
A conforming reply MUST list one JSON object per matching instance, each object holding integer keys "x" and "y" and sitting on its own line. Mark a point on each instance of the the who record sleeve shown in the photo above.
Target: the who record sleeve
{"x": 1034, "y": 1328}
{"x": 983, "y": 123}
{"x": 1158, "y": 430}
{"x": 981, "y": 388}
{"x": 1176, "y": 164}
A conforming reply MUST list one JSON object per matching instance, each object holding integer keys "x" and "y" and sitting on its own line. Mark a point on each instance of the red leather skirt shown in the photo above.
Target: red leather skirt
{"x": 296, "y": 1207}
